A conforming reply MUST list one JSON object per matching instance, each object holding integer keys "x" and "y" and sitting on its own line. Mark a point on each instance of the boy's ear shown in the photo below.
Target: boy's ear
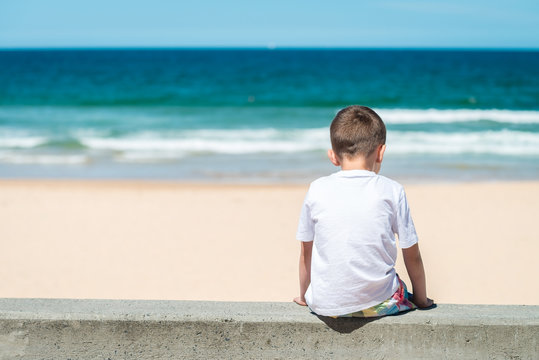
{"x": 333, "y": 158}
{"x": 380, "y": 153}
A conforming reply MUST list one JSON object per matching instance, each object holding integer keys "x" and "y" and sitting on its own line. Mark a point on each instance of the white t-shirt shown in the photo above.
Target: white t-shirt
{"x": 352, "y": 216}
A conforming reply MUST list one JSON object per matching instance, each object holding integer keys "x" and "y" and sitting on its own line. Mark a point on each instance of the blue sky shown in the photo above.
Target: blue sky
{"x": 279, "y": 23}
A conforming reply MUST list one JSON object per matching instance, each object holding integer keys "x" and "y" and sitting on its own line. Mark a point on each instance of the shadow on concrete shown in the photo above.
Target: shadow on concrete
{"x": 346, "y": 325}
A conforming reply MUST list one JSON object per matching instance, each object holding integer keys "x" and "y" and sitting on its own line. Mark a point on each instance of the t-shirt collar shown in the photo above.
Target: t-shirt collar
{"x": 354, "y": 173}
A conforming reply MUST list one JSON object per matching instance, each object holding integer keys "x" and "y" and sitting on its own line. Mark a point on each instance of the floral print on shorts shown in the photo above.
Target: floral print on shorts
{"x": 398, "y": 302}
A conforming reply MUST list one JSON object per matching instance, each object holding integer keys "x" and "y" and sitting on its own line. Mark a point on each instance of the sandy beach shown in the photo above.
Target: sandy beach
{"x": 157, "y": 240}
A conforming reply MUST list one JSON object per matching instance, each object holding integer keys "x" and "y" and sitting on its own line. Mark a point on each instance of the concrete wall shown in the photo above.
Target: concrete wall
{"x": 120, "y": 329}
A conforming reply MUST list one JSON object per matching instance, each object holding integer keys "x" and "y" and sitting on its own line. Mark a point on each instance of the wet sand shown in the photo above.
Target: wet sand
{"x": 157, "y": 240}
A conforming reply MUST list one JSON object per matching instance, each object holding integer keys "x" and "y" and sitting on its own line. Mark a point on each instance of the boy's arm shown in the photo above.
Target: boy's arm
{"x": 416, "y": 272}
{"x": 304, "y": 271}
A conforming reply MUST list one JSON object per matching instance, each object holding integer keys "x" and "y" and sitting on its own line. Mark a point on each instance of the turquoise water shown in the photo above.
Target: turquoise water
{"x": 262, "y": 115}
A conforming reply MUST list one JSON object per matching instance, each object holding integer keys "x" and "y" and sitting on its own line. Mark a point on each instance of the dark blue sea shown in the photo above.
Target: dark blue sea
{"x": 263, "y": 115}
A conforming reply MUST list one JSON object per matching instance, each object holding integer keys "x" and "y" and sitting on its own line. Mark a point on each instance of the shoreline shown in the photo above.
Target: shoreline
{"x": 231, "y": 183}
{"x": 132, "y": 239}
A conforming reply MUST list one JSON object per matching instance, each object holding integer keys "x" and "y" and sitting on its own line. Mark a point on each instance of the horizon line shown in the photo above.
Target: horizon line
{"x": 269, "y": 48}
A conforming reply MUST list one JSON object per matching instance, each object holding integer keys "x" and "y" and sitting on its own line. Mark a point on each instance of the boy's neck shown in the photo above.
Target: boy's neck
{"x": 359, "y": 163}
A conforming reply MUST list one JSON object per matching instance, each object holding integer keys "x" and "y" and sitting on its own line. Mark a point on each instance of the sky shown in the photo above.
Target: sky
{"x": 275, "y": 23}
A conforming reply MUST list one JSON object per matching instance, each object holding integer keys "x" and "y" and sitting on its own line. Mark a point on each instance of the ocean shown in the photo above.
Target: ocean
{"x": 261, "y": 115}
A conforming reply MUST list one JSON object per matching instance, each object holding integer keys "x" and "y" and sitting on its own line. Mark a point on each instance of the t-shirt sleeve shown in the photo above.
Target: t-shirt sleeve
{"x": 306, "y": 224}
{"x": 403, "y": 225}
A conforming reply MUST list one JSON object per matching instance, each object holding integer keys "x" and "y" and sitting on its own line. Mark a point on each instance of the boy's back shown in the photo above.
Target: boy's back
{"x": 352, "y": 217}
{"x": 348, "y": 225}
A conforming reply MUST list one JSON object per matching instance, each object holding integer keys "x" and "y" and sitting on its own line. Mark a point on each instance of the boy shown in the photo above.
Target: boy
{"x": 347, "y": 229}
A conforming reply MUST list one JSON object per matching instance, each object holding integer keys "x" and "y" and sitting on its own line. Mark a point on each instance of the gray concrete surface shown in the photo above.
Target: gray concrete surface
{"x": 123, "y": 329}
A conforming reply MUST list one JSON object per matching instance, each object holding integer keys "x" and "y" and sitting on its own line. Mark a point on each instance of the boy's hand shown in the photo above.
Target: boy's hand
{"x": 416, "y": 272}
{"x": 300, "y": 301}
{"x": 422, "y": 304}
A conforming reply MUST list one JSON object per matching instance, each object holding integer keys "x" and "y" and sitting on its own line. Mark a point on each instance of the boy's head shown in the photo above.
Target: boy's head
{"x": 356, "y": 130}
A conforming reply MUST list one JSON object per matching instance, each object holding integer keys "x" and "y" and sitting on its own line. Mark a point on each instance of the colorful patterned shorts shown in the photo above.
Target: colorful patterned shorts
{"x": 396, "y": 303}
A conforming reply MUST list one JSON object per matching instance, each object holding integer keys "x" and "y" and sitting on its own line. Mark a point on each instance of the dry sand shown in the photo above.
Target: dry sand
{"x": 137, "y": 240}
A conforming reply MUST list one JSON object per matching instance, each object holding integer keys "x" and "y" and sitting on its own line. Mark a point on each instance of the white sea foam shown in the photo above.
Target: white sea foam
{"x": 217, "y": 141}
{"x": 202, "y": 145}
{"x": 144, "y": 147}
{"x": 43, "y": 159}
{"x": 410, "y": 116}
{"x": 21, "y": 142}
{"x": 148, "y": 157}
{"x": 505, "y": 142}
{"x": 22, "y": 147}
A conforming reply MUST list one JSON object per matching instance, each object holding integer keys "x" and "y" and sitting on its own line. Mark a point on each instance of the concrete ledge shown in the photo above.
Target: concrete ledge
{"x": 121, "y": 329}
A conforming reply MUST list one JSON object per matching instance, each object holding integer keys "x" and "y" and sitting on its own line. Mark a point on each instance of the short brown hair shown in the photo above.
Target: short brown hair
{"x": 356, "y": 130}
